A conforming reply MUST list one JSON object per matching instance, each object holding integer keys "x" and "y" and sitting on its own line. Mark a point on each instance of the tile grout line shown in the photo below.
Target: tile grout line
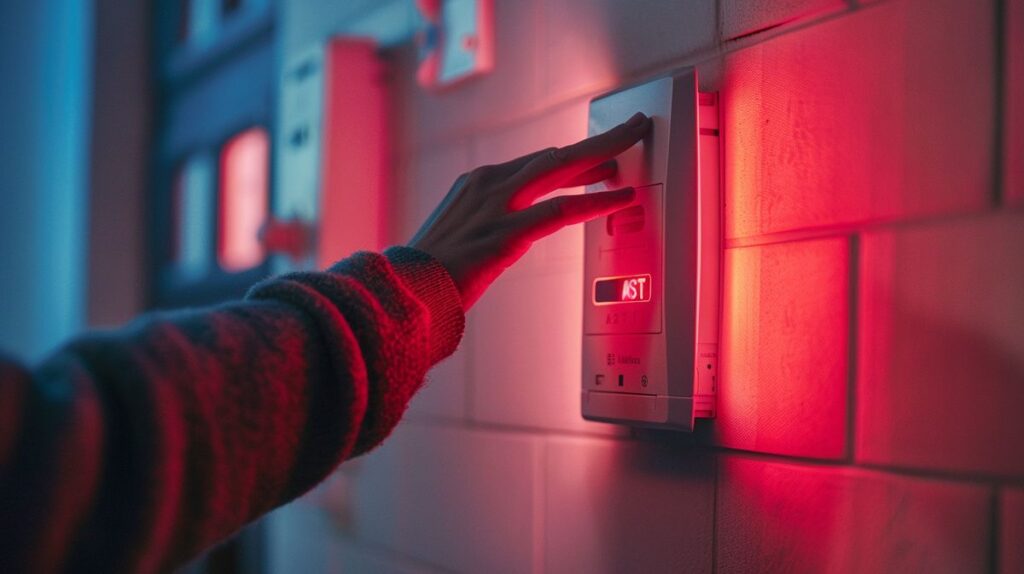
{"x": 716, "y": 492}
{"x": 977, "y": 479}
{"x": 1001, "y": 73}
{"x": 538, "y": 22}
{"x": 704, "y": 55}
{"x": 853, "y": 343}
{"x": 719, "y": 26}
{"x": 722, "y": 182}
{"x": 937, "y": 474}
{"x": 995, "y": 516}
{"x": 999, "y": 200}
{"x": 539, "y": 503}
{"x": 845, "y": 229}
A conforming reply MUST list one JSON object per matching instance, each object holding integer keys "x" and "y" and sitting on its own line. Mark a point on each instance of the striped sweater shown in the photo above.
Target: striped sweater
{"x": 135, "y": 450}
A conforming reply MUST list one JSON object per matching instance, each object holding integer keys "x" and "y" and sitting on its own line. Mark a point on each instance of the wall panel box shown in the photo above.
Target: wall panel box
{"x": 333, "y": 161}
{"x": 652, "y": 270}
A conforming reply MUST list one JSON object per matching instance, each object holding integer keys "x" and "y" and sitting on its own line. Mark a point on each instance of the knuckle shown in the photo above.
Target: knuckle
{"x": 556, "y": 207}
{"x": 480, "y": 174}
{"x": 462, "y": 180}
{"x": 474, "y": 177}
{"x": 554, "y": 155}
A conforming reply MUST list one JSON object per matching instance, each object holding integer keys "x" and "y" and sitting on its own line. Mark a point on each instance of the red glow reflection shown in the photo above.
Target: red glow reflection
{"x": 243, "y": 199}
{"x": 784, "y": 349}
{"x": 353, "y": 201}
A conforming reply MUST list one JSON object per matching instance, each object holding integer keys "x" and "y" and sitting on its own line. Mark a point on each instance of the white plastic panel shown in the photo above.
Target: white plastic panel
{"x": 641, "y": 352}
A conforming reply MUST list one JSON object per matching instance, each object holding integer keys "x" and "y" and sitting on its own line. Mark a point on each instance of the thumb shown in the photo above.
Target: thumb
{"x": 546, "y": 217}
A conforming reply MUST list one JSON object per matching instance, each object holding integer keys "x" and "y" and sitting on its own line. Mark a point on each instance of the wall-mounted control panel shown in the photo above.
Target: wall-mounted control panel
{"x": 332, "y": 161}
{"x": 652, "y": 270}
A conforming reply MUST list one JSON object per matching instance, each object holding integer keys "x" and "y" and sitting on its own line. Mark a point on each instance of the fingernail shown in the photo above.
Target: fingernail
{"x": 636, "y": 120}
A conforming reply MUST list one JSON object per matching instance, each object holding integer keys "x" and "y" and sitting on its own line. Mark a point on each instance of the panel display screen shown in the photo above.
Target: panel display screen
{"x": 628, "y": 289}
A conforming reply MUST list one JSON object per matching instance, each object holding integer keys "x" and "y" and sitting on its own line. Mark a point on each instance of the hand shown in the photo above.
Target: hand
{"x": 489, "y": 219}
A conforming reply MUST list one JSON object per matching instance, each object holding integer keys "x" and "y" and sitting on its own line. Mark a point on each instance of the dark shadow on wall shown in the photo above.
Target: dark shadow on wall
{"x": 941, "y": 394}
{"x": 652, "y": 506}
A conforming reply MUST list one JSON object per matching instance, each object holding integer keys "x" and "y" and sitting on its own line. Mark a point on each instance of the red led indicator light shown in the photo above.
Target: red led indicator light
{"x": 626, "y": 289}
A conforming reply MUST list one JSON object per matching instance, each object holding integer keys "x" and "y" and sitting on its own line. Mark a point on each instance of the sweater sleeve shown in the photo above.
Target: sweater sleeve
{"x": 137, "y": 449}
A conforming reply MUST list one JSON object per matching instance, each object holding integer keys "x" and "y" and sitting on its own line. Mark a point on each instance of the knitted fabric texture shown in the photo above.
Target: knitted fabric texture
{"x": 137, "y": 449}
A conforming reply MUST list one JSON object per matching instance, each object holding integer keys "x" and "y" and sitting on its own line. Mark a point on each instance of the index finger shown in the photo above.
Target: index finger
{"x": 549, "y": 171}
{"x": 550, "y": 215}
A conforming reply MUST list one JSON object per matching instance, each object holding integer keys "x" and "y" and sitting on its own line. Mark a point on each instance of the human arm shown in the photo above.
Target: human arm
{"x": 135, "y": 450}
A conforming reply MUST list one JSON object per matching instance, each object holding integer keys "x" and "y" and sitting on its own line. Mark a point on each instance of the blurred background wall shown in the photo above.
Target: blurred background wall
{"x": 872, "y": 352}
{"x": 46, "y": 60}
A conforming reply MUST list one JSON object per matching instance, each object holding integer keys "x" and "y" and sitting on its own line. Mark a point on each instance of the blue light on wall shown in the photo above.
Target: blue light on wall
{"x": 46, "y": 67}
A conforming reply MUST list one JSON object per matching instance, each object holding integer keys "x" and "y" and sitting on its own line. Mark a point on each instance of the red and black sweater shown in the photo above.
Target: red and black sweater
{"x": 135, "y": 450}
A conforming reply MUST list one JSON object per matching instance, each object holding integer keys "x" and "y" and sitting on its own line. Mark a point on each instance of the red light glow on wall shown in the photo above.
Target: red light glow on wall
{"x": 243, "y": 200}
{"x": 784, "y": 349}
{"x": 354, "y": 180}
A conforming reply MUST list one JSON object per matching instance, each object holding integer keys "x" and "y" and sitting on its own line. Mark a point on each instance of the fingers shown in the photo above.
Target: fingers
{"x": 546, "y": 217}
{"x": 553, "y": 168}
{"x": 596, "y": 174}
{"x": 513, "y": 166}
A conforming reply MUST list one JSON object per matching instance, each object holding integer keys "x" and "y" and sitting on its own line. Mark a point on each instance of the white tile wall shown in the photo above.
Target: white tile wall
{"x": 305, "y": 538}
{"x": 526, "y": 364}
{"x": 627, "y": 507}
{"x": 847, "y": 121}
{"x": 509, "y": 92}
{"x": 1014, "y": 99}
{"x": 743, "y": 17}
{"x": 1011, "y": 528}
{"x": 785, "y": 349}
{"x": 941, "y": 316}
{"x": 456, "y": 498}
{"x": 423, "y": 181}
{"x": 590, "y": 44}
{"x": 795, "y": 518}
